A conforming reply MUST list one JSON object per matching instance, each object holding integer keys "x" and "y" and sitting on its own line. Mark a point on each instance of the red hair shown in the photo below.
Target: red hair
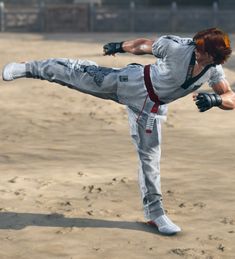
{"x": 215, "y": 42}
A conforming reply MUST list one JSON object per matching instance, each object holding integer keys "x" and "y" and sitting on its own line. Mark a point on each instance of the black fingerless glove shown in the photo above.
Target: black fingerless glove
{"x": 113, "y": 47}
{"x": 206, "y": 101}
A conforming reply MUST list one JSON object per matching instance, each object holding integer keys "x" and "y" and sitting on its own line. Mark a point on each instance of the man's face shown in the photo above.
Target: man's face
{"x": 203, "y": 58}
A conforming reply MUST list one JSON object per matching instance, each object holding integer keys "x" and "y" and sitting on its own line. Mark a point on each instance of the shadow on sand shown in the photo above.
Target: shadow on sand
{"x": 17, "y": 221}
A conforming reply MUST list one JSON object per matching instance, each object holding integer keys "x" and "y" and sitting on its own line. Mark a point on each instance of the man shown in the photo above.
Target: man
{"x": 182, "y": 66}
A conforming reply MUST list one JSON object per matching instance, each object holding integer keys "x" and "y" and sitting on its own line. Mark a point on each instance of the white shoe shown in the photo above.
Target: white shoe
{"x": 13, "y": 71}
{"x": 165, "y": 225}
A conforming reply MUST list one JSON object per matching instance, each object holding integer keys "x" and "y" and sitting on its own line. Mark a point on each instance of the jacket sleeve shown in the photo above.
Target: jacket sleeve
{"x": 160, "y": 47}
{"x": 216, "y": 76}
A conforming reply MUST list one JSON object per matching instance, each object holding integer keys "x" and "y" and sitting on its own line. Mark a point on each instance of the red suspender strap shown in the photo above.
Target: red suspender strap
{"x": 148, "y": 83}
{"x": 153, "y": 97}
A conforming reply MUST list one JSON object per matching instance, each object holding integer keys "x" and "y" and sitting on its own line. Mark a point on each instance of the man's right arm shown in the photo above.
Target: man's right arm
{"x": 137, "y": 47}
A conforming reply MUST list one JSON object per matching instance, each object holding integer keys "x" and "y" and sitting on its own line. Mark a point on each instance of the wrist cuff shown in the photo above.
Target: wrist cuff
{"x": 217, "y": 100}
{"x": 119, "y": 47}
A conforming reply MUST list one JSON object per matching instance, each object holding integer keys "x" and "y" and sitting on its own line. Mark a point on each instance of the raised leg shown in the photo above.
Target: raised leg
{"x": 82, "y": 75}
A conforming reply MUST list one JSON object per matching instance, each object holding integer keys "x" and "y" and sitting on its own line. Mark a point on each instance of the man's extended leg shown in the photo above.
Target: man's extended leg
{"x": 82, "y": 75}
{"x": 149, "y": 151}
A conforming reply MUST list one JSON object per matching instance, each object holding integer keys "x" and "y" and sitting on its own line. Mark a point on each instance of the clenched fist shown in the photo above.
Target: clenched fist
{"x": 112, "y": 48}
{"x": 205, "y": 101}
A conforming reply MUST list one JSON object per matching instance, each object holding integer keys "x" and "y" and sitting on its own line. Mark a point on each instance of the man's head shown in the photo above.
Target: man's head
{"x": 215, "y": 43}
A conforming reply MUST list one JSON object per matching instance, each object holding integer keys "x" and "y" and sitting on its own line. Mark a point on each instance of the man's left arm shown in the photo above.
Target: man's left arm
{"x": 224, "y": 97}
{"x": 139, "y": 46}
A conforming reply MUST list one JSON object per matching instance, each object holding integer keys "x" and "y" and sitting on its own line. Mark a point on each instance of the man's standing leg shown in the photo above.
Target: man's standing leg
{"x": 149, "y": 153}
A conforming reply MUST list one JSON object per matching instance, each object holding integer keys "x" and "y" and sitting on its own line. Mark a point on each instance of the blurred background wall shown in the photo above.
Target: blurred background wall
{"x": 115, "y": 15}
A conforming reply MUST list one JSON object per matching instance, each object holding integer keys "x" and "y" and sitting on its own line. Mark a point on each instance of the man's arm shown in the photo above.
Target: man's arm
{"x": 137, "y": 47}
{"x": 226, "y": 93}
{"x": 224, "y": 97}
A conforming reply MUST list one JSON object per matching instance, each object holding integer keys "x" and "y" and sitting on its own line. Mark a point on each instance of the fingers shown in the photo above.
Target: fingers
{"x": 112, "y": 48}
{"x": 203, "y": 109}
{"x": 109, "y": 49}
{"x": 202, "y": 101}
{"x": 202, "y": 106}
{"x": 195, "y": 96}
{"x": 106, "y": 50}
{"x": 200, "y": 96}
{"x": 107, "y": 54}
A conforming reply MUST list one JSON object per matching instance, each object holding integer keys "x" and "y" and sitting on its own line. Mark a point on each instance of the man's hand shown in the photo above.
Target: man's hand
{"x": 205, "y": 101}
{"x": 112, "y": 48}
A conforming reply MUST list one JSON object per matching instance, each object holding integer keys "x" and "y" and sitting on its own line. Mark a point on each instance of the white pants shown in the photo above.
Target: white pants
{"x": 125, "y": 86}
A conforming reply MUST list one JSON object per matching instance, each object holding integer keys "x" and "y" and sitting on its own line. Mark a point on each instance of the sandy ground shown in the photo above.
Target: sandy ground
{"x": 68, "y": 185}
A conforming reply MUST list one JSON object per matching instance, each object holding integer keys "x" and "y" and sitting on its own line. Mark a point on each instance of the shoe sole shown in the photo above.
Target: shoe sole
{"x": 151, "y": 223}
{"x": 7, "y": 72}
